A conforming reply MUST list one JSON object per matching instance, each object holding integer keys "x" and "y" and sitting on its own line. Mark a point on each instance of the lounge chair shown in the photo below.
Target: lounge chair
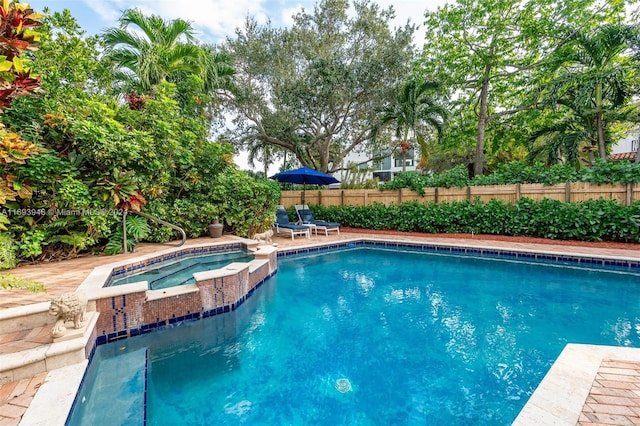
{"x": 283, "y": 224}
{"x": 305, "y": 217}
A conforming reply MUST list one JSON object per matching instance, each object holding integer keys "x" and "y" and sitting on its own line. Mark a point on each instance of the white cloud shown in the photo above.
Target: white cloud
{"x": 214, "y": 19}
{"x": 217, "y": 19}
{"x": 287, "y": 14}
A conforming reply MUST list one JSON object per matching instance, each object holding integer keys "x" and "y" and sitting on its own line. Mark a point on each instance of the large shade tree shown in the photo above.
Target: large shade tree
{"x": 316, "y": 89}
{"x": 492, "y": 55}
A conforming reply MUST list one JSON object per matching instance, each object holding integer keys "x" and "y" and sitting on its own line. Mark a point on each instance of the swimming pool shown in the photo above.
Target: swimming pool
{"x": 366, "y": 336}
{"x": 179, "y": 271}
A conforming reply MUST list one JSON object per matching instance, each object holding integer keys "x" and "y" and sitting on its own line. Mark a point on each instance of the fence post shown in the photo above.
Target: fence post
{"x": 468, "y": 193}
{"x": 518, "y": 192}
{"x": 629, "y": 197}
{"x": 567, "y": 192}
{"x": 342, "y": 198}
{"x": 399, "y": 196}
{"x": 435, "y": 195}
{"x": 319, "y": 197}
{"x": 366, "y": 197}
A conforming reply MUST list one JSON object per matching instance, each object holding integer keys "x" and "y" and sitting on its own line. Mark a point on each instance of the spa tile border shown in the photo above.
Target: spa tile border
{"x": 176, "y": 320}
{"x": 139, "y": 266}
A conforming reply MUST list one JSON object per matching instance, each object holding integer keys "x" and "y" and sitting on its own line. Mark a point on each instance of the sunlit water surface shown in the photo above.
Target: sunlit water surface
{"x": 366, "y": 337}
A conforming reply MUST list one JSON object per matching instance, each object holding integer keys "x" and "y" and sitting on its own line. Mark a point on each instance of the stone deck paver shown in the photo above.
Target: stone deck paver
{"x": 606, "y": 403}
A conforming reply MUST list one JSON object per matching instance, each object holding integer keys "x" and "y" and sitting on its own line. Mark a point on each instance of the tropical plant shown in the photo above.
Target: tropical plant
{"x": 146, "y": 50}
{"x": 137, "y": 230}
{"x": 17, "y": 35}
{"x": 414, "y": 107}
{"x": 246, "y": 205}
{"x": 594, "y": 76}
{"x": 567, "y": 138}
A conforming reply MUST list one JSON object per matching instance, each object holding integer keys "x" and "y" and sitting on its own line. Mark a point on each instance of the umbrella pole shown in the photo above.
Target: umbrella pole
{"x": 303, "y": 189}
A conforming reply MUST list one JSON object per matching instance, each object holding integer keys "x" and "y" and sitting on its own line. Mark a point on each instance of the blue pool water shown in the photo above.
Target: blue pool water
{"x": 366, "y": 336}
{"x": 176, "y": 272}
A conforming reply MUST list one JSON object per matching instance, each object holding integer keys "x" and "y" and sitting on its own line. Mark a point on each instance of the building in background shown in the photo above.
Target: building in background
{"x": 627, "y": 148}
{"x": 384, "y": 169}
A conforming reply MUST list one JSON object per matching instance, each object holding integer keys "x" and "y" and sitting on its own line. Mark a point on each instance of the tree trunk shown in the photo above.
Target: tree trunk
{"x": 601, "y": 147}
{"x": 265, "y": 162}
{"x": 478, "y": 167}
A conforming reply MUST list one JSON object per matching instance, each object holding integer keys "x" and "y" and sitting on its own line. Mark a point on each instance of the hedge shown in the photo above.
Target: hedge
{"x": 592, "y": 220}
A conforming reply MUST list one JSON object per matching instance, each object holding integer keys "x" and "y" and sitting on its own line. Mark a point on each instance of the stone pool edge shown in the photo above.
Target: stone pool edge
{"x": 547, "y": 405}
{"x": 562, "y": 393}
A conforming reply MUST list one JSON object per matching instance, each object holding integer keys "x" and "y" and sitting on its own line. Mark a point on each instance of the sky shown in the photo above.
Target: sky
{"x": 215, "y": 20}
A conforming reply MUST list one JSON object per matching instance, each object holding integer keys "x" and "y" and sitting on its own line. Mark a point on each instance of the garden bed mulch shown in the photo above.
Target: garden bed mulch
{"x": 597, "y": 244}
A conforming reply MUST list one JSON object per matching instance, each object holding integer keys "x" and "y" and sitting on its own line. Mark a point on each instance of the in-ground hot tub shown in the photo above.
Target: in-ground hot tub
{"x": 179, "y": 271}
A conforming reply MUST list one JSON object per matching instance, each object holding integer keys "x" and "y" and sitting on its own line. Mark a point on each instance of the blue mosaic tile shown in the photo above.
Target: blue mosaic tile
{"x": 146, "y": 381}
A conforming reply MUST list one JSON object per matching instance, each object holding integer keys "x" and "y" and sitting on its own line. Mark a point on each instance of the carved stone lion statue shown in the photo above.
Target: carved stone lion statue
{"x": 67, "y": 307}
{"x": 264, "y": 236}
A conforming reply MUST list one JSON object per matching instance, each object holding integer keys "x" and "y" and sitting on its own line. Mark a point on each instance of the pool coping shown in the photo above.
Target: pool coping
{"x": 556, "y": 400}
{"x": 562, "y": 393}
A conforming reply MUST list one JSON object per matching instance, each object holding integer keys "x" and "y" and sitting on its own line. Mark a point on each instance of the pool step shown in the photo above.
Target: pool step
{"x": 25, "y": 318}
{"x": 27, "y": 348}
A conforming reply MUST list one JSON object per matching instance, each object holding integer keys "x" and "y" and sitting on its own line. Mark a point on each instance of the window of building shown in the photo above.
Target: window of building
{"x": 407, "y": 162}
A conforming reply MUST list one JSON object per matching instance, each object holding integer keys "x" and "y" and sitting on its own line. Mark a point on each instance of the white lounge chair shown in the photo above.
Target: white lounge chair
{"x": 305, "y": 217}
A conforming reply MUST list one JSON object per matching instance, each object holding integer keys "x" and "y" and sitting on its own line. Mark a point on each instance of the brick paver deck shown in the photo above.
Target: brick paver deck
{"x": 15, "y": 398}
{"x": 614, "y": 398}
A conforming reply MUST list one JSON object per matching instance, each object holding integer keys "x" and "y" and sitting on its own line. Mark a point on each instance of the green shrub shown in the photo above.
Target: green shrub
{"x": 518, "y": 172}
{"x": 8, "y": 281}
{"x": 137, "y": 230}
{"x": 246, "y": 204}
{"x": 7, "y": 251}
{"x": 592, "y": 220}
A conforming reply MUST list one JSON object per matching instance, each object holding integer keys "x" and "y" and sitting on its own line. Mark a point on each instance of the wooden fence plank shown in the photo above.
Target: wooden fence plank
{"x": 448, "y": 195}
{"x": 539, "y": 191}
{"x": 573, "y": 192}
{"x": 582, "y": 191}
{"x": 486, "y": 193}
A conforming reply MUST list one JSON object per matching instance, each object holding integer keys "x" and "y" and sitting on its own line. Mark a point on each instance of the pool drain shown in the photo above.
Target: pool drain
{"x": 343, "y": 385}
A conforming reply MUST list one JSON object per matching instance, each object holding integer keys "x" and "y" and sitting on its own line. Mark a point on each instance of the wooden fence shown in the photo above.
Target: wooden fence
{"x": 570, "y": 192}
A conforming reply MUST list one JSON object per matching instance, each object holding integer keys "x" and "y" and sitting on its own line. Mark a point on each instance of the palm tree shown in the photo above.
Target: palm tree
{"x": 575, "y": 131}
{"x": 595, "y": 71}
{"x": 145, "y": 56}
{"x": 414, "y": 108}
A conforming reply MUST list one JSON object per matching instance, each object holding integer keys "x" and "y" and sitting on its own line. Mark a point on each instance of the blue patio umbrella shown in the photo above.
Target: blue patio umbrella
{"x": 304, "y": 176}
